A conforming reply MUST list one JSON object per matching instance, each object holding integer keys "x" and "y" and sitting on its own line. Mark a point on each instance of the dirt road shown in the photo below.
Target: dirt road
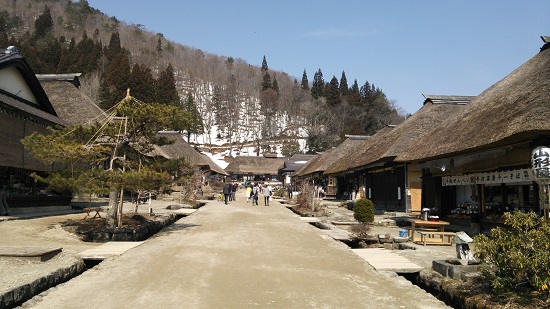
{"x": 235, "y": 256}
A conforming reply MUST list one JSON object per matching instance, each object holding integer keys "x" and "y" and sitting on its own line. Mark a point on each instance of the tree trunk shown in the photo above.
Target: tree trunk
{"x": 113, "y": 209}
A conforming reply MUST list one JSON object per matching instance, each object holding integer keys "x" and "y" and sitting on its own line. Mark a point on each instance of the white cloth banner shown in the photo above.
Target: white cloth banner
{"x": 520, "y": 175}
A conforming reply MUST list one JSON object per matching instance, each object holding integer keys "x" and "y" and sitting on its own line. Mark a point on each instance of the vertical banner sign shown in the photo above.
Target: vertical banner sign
{"x": 540, "y": 160}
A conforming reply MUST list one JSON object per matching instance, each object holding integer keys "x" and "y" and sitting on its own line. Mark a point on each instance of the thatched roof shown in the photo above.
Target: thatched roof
{"x": 387, "y": 144}
{"x": 514, "y": 109}
{"x": 249, "y": 165}
{"x": 70, "y": 103}
{"x": 325, "y": 160}
{"x": 181, "y": 149}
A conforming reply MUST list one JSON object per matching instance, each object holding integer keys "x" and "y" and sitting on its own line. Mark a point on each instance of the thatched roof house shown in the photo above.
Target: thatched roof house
{"x": 513, "y": 110}
{"x": 70, "y": 103}
{"x": 255, "y": 166}
{"x": 325, "y": 160}
{"x": 384, "y": 146}
{"x": 181, "y": 149}
{"x": 24, "y": 108}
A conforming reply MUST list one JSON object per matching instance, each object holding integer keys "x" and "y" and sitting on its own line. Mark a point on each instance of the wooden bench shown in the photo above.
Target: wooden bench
{"x": 428, "y": 237}
{"x": 89, "y": 210}
{"x": 422, "y": 229}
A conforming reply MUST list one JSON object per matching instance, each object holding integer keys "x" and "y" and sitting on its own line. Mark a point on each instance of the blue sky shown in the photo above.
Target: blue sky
{"x": 406, "y": 48}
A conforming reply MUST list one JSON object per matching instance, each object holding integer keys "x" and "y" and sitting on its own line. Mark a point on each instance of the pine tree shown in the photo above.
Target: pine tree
{"x": 195, "y": 125}
{"x": 114, "y": 82}
{"x": 166, "y": 92}
{"x": 318, "y": 85}
{"x": 367, "y": 92}
{"x": 114, "y": 46}
{"x": 275, "y": 85}
{"x": 354, "y": 96}
{"x": 305, "y": 82}
{"x": 44, "y": 23}
{"x": 332, "y": 94}
{"x": 264, "y": 65}
{"x": 266, "y": 83}
{"x": 344, "y": 84}
{"x": 142, "y": 83}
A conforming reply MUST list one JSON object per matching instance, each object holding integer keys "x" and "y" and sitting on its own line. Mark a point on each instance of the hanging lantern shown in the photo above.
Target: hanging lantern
{"x": 540, "y": 161}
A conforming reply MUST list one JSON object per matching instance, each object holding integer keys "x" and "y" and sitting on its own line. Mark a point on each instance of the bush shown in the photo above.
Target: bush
{"x": 360, "y": 230}
{"x": 520, "y": 252}
{"x": 306, "y": 198}
{"x": 363, "y": 210}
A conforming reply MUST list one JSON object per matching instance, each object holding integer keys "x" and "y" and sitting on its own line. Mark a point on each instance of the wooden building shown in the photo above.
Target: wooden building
{"x": 373, "y": 169}
{"x": 211, "y": 171}
{"x": 24, "y": 109}
{"x": 291, "y": 165}
{"x": 250, "y": 168}
{"x": 314, "y": 170}
{"x": 69, "y": 102}
{"x": 477, "y": 164}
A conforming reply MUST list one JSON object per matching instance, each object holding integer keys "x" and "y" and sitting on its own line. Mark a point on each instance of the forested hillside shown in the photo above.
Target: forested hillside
{"x": 240, "y": 108}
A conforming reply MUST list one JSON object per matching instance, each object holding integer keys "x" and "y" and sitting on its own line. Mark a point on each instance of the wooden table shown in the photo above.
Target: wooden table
{"x": 422, "y": 224}
{"x": 89, "y": 210}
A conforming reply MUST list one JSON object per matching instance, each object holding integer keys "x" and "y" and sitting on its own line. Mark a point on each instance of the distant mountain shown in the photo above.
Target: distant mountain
{"x": 245, "y": 109}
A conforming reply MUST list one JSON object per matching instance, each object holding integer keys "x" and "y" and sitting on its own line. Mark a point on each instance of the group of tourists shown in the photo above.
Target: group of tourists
{"x": 253, "y": 191}
{"x": 229, "y": 190}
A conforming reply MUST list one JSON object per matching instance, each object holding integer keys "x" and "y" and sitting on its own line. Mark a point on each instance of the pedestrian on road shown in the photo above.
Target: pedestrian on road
{"x": 289, "y": 190}
{"x": 255, "y": 192}
{"x": 248, "y": 192}
{"x": 226, "y": 192}
{"x": 234, "y": 188}
{"x": 267, "y": 194}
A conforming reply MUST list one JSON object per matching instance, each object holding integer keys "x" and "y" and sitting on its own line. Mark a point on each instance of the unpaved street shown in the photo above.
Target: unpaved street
{"x": 237, "y": 256}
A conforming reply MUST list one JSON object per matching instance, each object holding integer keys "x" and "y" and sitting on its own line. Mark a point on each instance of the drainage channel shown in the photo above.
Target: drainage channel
{"x": 368, "y": 248}
{"x": 88, "y": 259}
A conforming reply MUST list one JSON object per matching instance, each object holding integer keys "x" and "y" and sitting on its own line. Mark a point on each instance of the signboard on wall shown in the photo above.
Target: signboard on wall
{"x": 540, "y": 161}
{"x": 519, "y": 175}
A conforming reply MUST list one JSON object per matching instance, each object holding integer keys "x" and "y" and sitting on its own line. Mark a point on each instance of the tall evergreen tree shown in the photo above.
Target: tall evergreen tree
{"x": 195, "y": 125}
{"x": 368, "y": 93}
{"x": 166, "y": 92}
{"x": 344, "y": 84}
{"x": 264, "y": 65}
{"x": 275, "y": 84}
{"x": 142, "y": 83}
{"x": 44, "y": 23}
{"x": 266, "y": 83}
{"x": 114, "y": 46}
{"x": 305, "y": 82}
{"x": 332, "y": 93}
{"x": 318, "y": 85}
{"x": 114, "y": 82}
{"x": 354, "y": 96}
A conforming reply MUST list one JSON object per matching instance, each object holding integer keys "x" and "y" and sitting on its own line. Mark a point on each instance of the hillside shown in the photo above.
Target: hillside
{"x": 245, "y": 109}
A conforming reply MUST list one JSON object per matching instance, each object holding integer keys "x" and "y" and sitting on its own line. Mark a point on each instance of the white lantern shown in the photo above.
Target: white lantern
{"x": 540, "y": 161}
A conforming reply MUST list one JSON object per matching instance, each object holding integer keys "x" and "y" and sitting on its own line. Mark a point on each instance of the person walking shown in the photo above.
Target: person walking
{"x": 289, "y": 190}
{"x": 248, "y": 192}
{"x": 226, "y": 191}
{"x": 255, "y": 192}
{"x": 267, "y": 194}
{"x": 234, "y": 188}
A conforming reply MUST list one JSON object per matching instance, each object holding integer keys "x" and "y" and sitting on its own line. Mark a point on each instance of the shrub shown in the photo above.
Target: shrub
{"x": 360, "y": 230}
{"x": 363, "y": 210}
{"x": 306, "y": 198}
{"x": 520, "y": 252}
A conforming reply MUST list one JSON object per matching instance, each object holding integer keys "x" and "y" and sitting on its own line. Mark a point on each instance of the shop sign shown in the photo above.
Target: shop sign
{"x": 519, "y": 175}
{"x": 540, "y": 161}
